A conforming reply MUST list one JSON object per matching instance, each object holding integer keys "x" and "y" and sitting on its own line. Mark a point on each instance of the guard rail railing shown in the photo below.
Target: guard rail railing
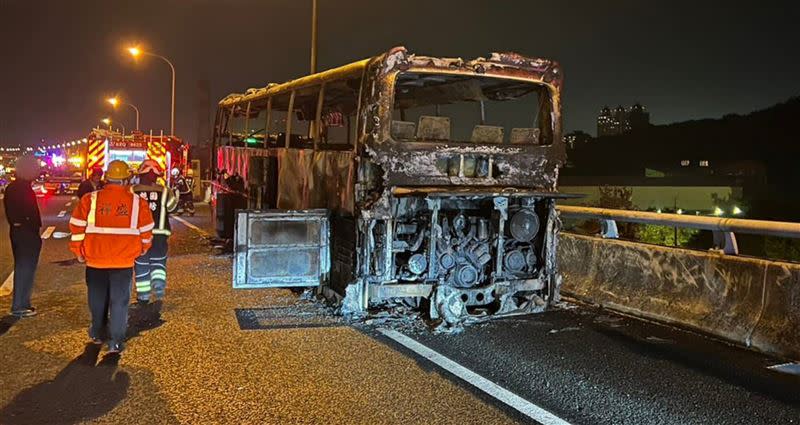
{"x": 724, "y": 228}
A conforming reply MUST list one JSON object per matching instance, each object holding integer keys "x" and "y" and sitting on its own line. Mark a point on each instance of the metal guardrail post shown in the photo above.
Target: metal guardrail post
{"x": 608, "y": 229}
{"x": 726, "y": 241}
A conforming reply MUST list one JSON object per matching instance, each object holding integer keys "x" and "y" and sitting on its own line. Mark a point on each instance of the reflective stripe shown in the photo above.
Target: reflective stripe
{"x": 77, "y": 237}
{"x": 147, "y": 228}
{"x": 91, "y": 219}
{"x": 163, "y": 210}
{"x": 143, "y": 286}
{"x": 161, "y": 232}
{"x": 135, "y": 211}
{"x": 158, "y": 273}
{"x": 77, "y": 222}
{"x": 112, "y": 230}
{"x": 147, "y": 240}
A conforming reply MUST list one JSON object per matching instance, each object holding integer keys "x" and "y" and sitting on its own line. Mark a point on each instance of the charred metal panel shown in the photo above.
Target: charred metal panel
{"x": 281, "y": 249}
{"x": 310, "y": 180}
{"x": 343, "y": 252}
{"x": 415, "y": 164}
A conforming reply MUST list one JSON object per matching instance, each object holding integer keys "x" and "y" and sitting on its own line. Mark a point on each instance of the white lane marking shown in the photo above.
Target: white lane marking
{"x": 191, "y": 226}
{"x": 48, "y": 232}
{"x": 518, "y": 403}
{"x": 8, "y": 285}
{"x": 62, "y": 213}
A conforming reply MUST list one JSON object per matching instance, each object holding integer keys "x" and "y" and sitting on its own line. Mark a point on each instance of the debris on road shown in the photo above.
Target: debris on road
{"x": 567, "y": 329}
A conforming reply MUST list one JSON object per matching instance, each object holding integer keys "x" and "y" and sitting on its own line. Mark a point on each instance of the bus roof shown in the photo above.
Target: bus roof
{"x": 510, "y": 65}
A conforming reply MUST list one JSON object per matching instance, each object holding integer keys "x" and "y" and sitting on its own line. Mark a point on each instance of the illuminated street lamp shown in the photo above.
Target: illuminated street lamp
{"x": 136, "y": 52}
{"x": 115, "y": 101}
{"x": 107, "y": 121}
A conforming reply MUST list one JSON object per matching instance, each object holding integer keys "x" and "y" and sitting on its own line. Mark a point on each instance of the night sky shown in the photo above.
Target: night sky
{"x": 682, "y": 60}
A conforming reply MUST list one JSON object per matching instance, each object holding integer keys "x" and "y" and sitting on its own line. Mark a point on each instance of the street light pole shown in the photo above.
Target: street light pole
{"x": 313, "y": 36}
{"x": 135, "y": 51}
{"x": 137, "y": 114}
{"x": 114, "y": 101}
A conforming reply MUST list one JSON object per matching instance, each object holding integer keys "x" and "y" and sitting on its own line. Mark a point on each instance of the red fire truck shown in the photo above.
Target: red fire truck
{"x": 104, "y": 146}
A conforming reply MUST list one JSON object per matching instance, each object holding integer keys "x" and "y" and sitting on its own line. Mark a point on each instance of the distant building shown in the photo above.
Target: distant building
{"x": 576, "y": 138}
{"x": 621, "y": 120}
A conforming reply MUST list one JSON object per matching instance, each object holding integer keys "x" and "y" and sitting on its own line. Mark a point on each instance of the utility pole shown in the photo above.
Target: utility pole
{"x": 313, "y": 36}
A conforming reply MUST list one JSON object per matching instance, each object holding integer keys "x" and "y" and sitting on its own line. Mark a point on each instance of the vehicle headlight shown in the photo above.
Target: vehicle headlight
{"x": 524, "y": 225}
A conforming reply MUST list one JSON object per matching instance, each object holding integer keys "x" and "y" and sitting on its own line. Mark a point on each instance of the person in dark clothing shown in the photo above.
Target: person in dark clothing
{"x": 24, "y": 221}
{"x": 94, "y": 182}
{"x": 235, "y": 183}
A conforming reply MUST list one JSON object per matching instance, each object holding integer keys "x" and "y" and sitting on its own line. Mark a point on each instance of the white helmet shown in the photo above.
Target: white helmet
{"x": 175, "y": 172}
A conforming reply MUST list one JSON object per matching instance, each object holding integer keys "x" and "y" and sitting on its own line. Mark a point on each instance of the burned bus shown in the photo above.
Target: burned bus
{"x": 425, "y": 181}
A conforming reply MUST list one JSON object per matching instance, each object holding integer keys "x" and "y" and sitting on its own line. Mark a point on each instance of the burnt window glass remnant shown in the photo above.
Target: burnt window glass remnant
{"x": 470, "y": 109}
{"x": 277, "y": 118}
{"x": 304, "y": 111}
{"x": 338, "y": 115}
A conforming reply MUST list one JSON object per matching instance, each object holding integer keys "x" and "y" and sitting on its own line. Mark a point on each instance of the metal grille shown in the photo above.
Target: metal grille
{"x": 280, "y": 248}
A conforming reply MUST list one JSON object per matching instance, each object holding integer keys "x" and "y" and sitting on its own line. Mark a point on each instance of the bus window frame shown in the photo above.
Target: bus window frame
{"x": 225, "y": 116}
{"x": 388, "y": 107}
{"x": 247, "y": 118}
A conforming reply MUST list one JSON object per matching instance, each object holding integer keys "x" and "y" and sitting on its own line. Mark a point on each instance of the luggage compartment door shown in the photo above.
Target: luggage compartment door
{"x": 281, "y": 248}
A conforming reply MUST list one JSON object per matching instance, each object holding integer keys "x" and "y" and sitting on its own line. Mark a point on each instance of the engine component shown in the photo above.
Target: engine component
{"x": 483, "y": 229}
{"x": 480, "y": 254}
{"x": 459, "y": 223}
{"x": 524, "y": 225}
{"x": 417, "y": 264}
{"x": 465, "y": 276}
{"x": 447, "y": 261}
{"x": 531, "y": 259}
{"x": 406, "y": 228}
{"x": 515, "y": 261}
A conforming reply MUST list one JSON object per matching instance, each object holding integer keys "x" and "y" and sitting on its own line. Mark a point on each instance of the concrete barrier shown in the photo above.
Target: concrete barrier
{"x": 750, "y": 302}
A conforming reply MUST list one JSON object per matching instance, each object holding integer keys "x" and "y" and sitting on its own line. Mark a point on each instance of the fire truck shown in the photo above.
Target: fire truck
{"x": 104, "y": 146}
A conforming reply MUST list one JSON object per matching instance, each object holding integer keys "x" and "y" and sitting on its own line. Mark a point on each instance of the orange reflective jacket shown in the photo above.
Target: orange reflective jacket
{"x": 111, "y": 227}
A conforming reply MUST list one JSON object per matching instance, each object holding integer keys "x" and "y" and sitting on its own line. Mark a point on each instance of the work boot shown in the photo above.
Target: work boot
{"x": 25, "y": 312}
{"x": 115, "y": 348}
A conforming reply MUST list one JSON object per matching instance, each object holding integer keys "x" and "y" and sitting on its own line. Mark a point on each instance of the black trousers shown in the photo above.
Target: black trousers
{"x": 109, "y": 293}
{"x": 26, "y": 244}
{"x": 151, "y": 269}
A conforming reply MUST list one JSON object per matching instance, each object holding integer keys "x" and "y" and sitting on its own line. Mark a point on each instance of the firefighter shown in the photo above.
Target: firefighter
{"x": 187, "y": 196}
{"x": 151, "y": 268}
{"x": 181, "y": 186}
{"x": 110, "y": 229}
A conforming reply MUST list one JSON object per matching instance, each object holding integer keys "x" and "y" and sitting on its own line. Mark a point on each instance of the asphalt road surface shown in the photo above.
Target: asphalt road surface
{"x": 210, "y": 354}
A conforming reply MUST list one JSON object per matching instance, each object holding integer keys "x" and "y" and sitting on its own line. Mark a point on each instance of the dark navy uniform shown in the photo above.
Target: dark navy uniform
{"x": 151, "y": 267}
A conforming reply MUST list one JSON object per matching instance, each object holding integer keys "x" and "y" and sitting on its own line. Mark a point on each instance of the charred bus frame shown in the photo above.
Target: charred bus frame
{"x": 463, "y": 229}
